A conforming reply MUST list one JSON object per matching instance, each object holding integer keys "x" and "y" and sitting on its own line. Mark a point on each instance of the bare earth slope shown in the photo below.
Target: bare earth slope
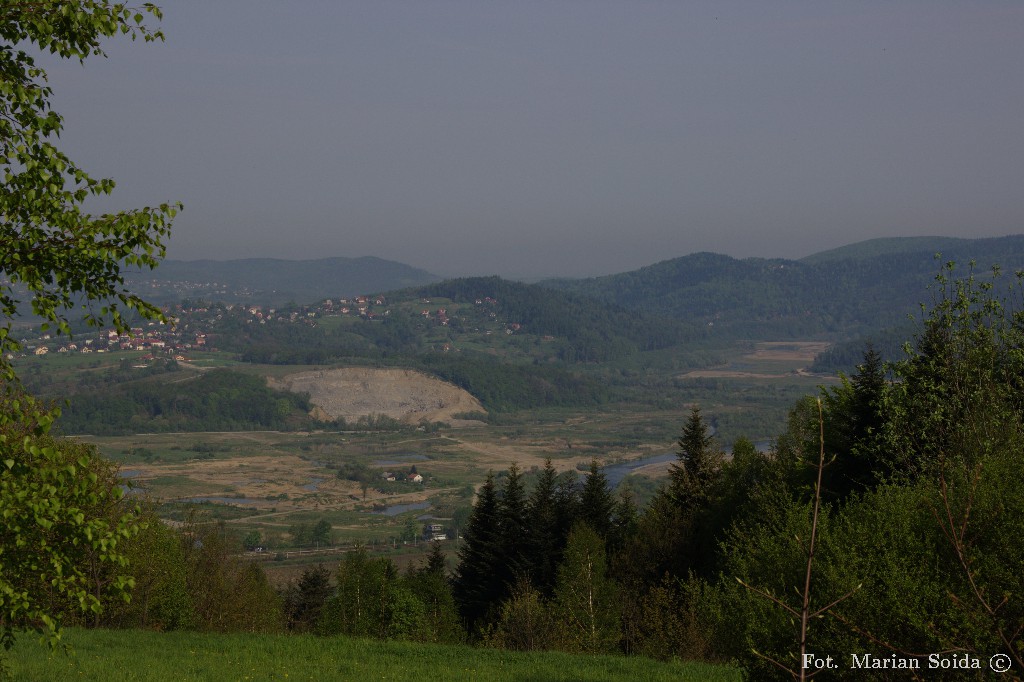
{"x": 354, "y": 392}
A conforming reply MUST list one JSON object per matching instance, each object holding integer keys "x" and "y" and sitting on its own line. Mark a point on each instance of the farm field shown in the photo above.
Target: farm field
{"x": 142, "y": 656}
{"x": 270, "y": 481}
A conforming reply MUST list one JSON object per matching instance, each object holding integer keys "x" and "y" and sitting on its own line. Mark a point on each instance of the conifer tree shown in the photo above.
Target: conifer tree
{"x": 596, "y": 502}
{"x": 699, "y": 463}
{"x": 624, "y": 519}
{"x": 304, "y": 601}
{"x": 431, "y": 586}
{"x": 513, "y": 562}
{"x": 477, "y": 583}
{"x": 567, "y": 503}
{"x": 437, "y": 563}
{"x": 545, "y": 544}
{"x": 853, "y": 424}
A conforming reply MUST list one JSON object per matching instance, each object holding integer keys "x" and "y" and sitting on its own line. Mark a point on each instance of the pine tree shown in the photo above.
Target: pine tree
{"x": 437, "y": 563}
{"x": 304, "y": 601}
{"x": 596, "y": 502}
{"x": 545, "y": 544}
{"x": 477, "y": 583}
{"x": 853, "y": 423}
{"x": 513, "y": 561}
{"x": 699, "y": 463}
{"x": 624, "y": 520}
{"x": 567, "y": 504}
{"x": 432, "y": 588}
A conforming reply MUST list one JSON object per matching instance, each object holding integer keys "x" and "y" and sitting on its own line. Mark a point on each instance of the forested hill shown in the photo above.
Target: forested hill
{"x": 842, "y": 293}
{"x": 598, "y": 330}
{"x": 274, "y": 281}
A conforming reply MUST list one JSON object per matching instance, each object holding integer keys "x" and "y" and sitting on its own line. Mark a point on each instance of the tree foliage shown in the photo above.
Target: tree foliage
{"x": 55, "y": 507}
{"x": 61, "y": 524}
{"x": 52, "y": 247}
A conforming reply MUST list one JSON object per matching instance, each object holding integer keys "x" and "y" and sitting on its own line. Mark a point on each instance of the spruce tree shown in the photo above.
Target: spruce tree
{"x": 699, "y": 463}
{"x": 477, "y": 582}
{"x": 596, "y": 502}
{"x": 853, "y": 423}
{"x": 544, "y": 541}
{"x": 437, "y": 563}
{"x": 513, "y": 562}
{"x": 624, "y": 519}
{"x": 567, "y": 504}
{"x": 305, "y": 600}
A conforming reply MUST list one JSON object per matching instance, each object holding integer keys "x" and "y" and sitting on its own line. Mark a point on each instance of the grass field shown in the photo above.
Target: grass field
{"x": 138, "y": 656}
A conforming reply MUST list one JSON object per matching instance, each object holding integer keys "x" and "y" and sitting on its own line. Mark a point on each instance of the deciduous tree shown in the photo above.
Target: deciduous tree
{"x": 54, "y": 254}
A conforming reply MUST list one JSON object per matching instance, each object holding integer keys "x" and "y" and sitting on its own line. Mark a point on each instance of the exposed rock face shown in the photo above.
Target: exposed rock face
{"x": 354, "y": 392}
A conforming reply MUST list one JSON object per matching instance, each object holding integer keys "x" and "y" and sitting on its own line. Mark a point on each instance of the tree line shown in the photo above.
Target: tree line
{"x": 217, "y": 400}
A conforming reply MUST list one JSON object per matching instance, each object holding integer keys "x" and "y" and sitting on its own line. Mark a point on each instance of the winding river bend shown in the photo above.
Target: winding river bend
{"x": 616, "y": 472}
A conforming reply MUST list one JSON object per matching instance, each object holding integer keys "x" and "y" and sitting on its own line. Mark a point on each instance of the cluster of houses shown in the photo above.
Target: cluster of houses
{"x": 412, "y": 477}
{"x": 361, "y": 306}
{"x": 157, "y": 339}
{"x": 191, "y": 323}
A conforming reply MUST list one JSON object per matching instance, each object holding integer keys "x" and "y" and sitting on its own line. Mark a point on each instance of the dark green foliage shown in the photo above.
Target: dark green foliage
{"x": 699, "y": 462}
{"x": 844, "y": 356}
{"x": 513, "y": 544}
{"x": 925, "y": 537}
{"x": 597, "y": 504}
{"x": 218, "y": 400}
{"x": 525, "y": 622}
{"x": 856, "y": 292}
{"x": 593, "y": 332}
{"x": 372, "y": 600}
{"x": 477, "y": 584}
{"x": 625, "y": 517}
{"x": 430, "y": 585}
{"x": 304, "y": 601}
{"x": 321, "y": 533}
{"x": 961, "y": 385}
{"x": 854, "y": 419}
{"x": 544, "y": 539}
{"x": 505, "y": 387}
{"x": 228, "y": 593}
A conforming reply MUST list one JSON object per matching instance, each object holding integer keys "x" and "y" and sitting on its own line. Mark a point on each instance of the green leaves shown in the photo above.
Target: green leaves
{"x": 57, "y": 499}
{"x": 59, "y": 252}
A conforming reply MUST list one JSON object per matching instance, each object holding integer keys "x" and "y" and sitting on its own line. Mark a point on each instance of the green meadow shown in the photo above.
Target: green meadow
{"x": 142, "y": 656}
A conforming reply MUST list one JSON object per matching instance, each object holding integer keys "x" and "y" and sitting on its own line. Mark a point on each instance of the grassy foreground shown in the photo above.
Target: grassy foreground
{"x": 121, "y": 655}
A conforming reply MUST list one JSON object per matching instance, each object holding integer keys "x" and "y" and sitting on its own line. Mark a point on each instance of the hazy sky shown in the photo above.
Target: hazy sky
{"x": 559, "y": 137}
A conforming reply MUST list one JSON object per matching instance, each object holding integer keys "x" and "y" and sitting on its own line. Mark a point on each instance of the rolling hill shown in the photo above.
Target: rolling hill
{"x": 838, "y": 294}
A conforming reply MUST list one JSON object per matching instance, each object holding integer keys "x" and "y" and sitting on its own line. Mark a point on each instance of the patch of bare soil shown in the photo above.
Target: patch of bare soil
{"x": 402, "y": 394}
{"x": 262, "y": 482}
{"x": 797, "y": 351}
{"x": 727, "y": 374}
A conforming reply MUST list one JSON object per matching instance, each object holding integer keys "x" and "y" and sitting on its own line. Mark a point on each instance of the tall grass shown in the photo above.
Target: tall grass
{"x": 141, "y": 656}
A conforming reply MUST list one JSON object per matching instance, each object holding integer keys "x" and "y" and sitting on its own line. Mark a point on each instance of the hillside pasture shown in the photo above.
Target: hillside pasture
{"x": 141, "y": 656}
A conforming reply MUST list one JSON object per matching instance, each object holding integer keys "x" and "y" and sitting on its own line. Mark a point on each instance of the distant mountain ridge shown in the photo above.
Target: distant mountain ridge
{"x": 835, "y": 294}
{"x": 276, "y": 280}
{"x": 950, "y": 247}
